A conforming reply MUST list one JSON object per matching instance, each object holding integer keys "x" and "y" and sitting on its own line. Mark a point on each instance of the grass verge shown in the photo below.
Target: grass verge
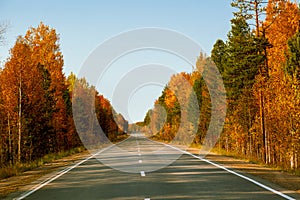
{"x": 120, "y": 138}
{"x": 16, "y": 169}
{"x": 223, "y": 152}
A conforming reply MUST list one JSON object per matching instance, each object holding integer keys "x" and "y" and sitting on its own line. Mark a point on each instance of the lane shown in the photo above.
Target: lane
{"x": 134, "y": 169}
{"x": 190, "y": 179}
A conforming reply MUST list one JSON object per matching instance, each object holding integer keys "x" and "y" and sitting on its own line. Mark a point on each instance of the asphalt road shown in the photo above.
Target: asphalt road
{"x": 139, "y": 168}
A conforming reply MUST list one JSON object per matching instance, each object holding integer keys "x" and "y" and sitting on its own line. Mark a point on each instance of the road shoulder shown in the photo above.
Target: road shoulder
{"x": 286, "y": 182}
{"x": 14, "y": 186}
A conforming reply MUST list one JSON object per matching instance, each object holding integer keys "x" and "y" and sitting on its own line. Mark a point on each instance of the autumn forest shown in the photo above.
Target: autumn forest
{"x": 36, "y": 100}
{"x": 259, "y": 64}
{"x": 260, "y": 67}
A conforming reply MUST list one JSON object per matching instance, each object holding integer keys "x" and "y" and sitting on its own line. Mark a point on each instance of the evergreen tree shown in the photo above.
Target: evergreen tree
{"x": 243, "y": 59}
{"x": 292, "y": 66}
{"x": 219, "y": 55}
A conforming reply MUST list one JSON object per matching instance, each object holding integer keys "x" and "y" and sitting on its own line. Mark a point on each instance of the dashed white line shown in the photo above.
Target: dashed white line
{"x": 140, "y": 161}
{"x": 147, "y": 199}
{"x": 143, "y": 173}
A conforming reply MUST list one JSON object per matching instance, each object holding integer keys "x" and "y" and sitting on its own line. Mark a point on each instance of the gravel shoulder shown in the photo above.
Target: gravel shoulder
{"x": 280, "y": 180}
{"x": 17, "y": 185}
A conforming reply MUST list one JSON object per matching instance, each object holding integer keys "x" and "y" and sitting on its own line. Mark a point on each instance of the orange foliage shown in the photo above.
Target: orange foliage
{"x": 44, "y": 42}
{"x": 170, "y": 98}
{"x": 282, "y": 22}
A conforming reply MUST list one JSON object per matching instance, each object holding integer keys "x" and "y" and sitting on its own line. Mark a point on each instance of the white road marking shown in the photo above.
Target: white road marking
{"x": 59, "y": 174}
{"x": 235, "y": 173}
{"x": 140, "y": 154}
{"x": 140, "y": 161}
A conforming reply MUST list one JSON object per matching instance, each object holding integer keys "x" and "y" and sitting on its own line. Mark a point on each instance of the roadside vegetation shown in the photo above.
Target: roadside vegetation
{"x": 260, "y": 66}
{"x": 16, "y": 169}
{"x": 36, "y": 119}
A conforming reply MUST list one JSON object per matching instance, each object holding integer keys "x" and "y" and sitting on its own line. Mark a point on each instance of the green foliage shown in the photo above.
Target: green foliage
{"x": 262, "y": 121}
{"x": 247, "y": 9}
{"x": 147, "y": 118}
{"x": 292, "y": 67}
{"x": 192, "y": 117}
{"x": 218, "y": 55}
{"x": 167, "y": 114}
{"x": 243, "y": 60}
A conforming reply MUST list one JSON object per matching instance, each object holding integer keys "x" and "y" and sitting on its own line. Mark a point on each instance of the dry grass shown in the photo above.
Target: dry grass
{"x": 254, "y": 161}
{"x": 16, "y": 169}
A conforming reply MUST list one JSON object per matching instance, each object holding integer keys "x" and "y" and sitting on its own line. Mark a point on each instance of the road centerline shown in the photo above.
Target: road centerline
{"x": 143, "y": 173}
{"x": 182, "y": 173}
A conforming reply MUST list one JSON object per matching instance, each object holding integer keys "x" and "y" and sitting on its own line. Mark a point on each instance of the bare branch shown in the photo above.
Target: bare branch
{"x": 3, "y": 29}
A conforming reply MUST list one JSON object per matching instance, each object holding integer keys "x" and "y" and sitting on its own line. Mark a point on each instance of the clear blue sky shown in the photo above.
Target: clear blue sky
{"x": 83, "y": 25}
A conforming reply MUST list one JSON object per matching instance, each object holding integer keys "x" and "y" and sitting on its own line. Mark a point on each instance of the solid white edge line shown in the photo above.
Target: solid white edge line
{"x": 59, "y": 174}
{"x": 235, "y": 173}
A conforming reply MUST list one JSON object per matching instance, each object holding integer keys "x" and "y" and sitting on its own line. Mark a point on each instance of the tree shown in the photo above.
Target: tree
{"x": 253, "y": 11}
{"x": 3, "y": 28}
{"x": 36, "y": 98}
{"x": 86, "y": 103}
{"x": 239, "y": 61}
{"x": 292, "y": 67}
{"x": 3, "y": 112}
{"x": 243, "y": 59}
{"x": 248, "y": 9}
{"x": 13, "y": 79}
{"x": 44, "y": 41}
{"x": 31, "y": 108}
{"x": 283, "y": 22}
{"x": 218, "y": 55}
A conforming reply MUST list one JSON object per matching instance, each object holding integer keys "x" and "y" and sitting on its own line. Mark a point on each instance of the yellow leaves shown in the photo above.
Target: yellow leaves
{"x": 44, "y": 42}
{"x": 195, "y": 76}
{"x": 170, "y": 98}
{"x": 280, "y": 102}
{"x": 282, "y": 114}
{"x": 282, "y": 23}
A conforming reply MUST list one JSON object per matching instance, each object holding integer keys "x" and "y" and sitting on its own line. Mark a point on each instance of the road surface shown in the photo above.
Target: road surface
{"x": 139, "y": 168}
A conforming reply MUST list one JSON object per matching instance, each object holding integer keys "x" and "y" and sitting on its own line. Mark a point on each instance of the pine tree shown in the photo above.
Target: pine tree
{"x": 219, "y": 55}
{"x": 243, "y": 59}
{"x": 292, "y": 66}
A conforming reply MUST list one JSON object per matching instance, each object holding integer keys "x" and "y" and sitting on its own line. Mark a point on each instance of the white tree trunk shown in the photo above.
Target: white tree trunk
{"x": 19, "y": 120}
